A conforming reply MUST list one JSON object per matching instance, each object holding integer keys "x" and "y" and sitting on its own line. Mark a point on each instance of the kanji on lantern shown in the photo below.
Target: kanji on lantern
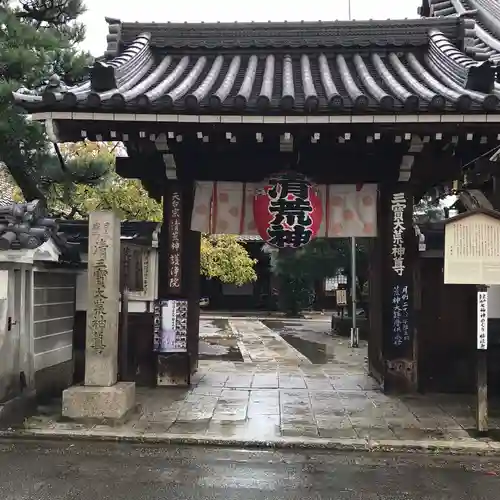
{"x": 287, "y": 211}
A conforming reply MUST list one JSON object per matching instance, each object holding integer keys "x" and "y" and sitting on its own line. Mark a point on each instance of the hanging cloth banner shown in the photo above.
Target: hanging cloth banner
{"x": 227, "y": 208}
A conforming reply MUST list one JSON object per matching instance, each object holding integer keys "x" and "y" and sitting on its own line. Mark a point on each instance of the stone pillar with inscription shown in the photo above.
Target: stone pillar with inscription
{"x": 102, "y": 396}
{"x": 103, "y": 299}
{"x": 398, "y": 255}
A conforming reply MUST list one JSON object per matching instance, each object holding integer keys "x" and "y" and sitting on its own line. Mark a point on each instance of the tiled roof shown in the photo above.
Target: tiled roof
{"x": 482, "y": 41}
{"x": 26, "y": 226}
{"x": 339, "y": 34}
{"x": 141, "y": 233}
{"x": 273, "y": 68}
{"x": 484, "y": 37}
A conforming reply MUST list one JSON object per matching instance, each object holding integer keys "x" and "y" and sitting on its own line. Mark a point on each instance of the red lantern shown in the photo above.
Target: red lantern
{"x": 287, "y": 211}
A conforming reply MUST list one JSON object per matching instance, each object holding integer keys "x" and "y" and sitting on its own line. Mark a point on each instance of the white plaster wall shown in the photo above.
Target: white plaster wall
{"x": 54, "y": 316}
{"x": 9, "y": 341}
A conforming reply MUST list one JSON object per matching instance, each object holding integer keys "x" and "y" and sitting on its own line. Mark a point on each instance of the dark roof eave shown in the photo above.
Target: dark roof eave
{"x": 409, "y": 32}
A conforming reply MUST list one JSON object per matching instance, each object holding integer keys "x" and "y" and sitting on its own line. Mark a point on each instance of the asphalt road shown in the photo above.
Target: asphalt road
{"x": 111, "y": 471}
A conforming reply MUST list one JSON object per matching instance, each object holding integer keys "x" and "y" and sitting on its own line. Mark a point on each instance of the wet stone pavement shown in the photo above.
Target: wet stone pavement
{"x": 277, "y": 392}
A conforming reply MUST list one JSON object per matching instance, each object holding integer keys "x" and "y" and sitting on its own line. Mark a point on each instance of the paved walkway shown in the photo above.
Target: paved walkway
{"x": 309, "y": 316}
{"x": 278, "y": 396}
{"x": 259, "y": 344}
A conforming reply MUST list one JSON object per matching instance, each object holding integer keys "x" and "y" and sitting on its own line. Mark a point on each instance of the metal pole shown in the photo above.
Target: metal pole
{"x": 349, "y": 7}
{"x": 354, "y": 329}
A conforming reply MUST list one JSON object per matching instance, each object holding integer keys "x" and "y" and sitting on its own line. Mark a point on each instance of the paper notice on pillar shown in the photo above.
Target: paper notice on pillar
{"x": 349, "y": 210}
{"x": 173, "y": 326}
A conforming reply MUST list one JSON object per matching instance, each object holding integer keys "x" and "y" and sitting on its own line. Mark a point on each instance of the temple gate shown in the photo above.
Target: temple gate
{"x": 367, "y": 111}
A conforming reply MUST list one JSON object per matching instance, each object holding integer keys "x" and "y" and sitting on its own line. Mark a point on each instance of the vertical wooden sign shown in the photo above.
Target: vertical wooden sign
{"x": 401, "y": 278}
{"x": 174, "y": 254}
{"x": 398, "y": 275}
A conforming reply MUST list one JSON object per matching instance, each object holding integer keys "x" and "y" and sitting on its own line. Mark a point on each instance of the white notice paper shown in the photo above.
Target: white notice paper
{"x": 482, "y": 320}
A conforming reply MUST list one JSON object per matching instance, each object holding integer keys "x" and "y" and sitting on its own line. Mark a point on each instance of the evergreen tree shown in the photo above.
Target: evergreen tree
{"x": 90, "y": 182}
{"x": 298, "y": 270}
{"x": 37, "y": 40}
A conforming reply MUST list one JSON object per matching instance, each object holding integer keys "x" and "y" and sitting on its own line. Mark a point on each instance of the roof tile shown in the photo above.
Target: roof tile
{"x": 391, "y": 66}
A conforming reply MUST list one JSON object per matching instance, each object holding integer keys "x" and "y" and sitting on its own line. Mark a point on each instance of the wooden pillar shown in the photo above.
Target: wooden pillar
{"x": 179, "y": 271}
{"x": 376, "y": 364}
{"x": 192, "y": 285}
{"x": 398, "y": 254}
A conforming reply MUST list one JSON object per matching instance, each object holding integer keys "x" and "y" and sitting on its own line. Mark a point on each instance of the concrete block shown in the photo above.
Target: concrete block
{"x": 90, "y": 402}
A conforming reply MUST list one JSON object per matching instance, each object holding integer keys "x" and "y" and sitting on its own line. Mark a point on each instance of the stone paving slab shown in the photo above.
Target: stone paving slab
{"x": 269, "y": 403}
{"x": 261, "y": 344}
{"x": 226, "y": 404}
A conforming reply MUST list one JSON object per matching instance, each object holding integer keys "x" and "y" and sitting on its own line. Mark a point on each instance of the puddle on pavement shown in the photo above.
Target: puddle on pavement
{"x": 306, "y": 341}
{"x": 217, "y": 342}
{"x": 491, "y": 434}
{"x": 316, "y": 353}
{"x": 219, "y": 349}
{"x": 221, "y": 324}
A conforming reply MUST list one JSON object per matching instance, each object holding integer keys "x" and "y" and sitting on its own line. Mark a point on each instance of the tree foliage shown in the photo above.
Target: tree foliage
{"x": 60, "y": 15}
{"x": 90, "y": 182}
{"x": 37, "y": 40}
{"x": 428, "y": 210}
{"x": 299, "y": 270}
{"x": 224, "y": 258}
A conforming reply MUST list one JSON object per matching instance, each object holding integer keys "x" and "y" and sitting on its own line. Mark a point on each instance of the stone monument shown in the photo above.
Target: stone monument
{"x": 102, "y": 397}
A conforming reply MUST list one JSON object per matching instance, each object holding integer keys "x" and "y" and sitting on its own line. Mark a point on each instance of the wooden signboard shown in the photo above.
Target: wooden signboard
{"x": 472, "y": 249}
{"x": 132, "y": 268}
{"x": 140, "y": 265}
{"x": 341, "y": 297}
{"x": 472, "y": 257}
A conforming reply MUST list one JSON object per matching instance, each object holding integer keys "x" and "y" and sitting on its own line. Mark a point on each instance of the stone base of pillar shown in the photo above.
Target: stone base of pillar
{"x": 88, "y": 402}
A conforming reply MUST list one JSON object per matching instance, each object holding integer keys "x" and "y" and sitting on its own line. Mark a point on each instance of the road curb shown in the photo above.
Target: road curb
{"x": 354, "y": 445}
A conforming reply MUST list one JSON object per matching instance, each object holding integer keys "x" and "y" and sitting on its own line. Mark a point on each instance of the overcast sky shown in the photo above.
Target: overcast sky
{"x": 234, "y": 10}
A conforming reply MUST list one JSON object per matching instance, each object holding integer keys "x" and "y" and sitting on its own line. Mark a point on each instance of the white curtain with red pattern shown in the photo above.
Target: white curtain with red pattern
{"x": 227, "y": 208}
